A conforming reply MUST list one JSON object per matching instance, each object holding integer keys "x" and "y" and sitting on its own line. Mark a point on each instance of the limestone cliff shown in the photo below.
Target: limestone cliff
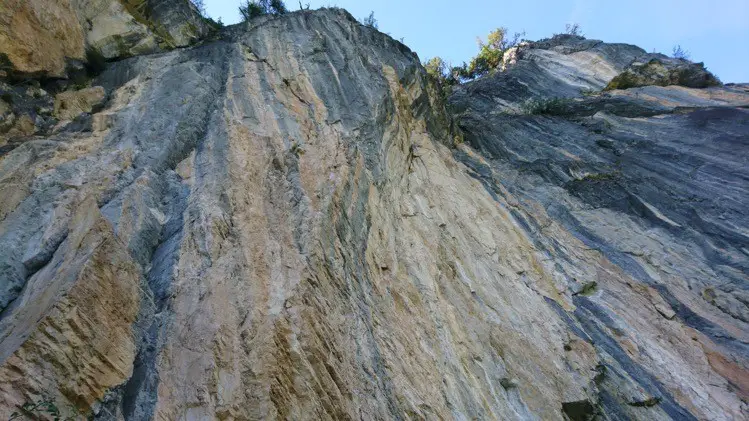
{"x": 285, "y": 223}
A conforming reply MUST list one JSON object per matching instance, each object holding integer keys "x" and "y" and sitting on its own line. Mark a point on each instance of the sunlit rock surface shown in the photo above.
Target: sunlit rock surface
{"x": 637, "y": 200}
{"x": 50, "y": 37}
{"x": 283, "y": 224}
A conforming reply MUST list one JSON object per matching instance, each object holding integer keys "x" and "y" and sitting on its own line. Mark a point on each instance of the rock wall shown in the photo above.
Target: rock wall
{"x": 636, "y": 199}
{"x": 283, "y": 223}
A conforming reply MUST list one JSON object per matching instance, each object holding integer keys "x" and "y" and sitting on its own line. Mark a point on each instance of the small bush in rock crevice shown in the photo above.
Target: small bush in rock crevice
{"x": 370, "y": 21}
{"x": 548, "y": 106}
{"x": 679, "y": 53}
{"x": 43, "y": 409}
{"x": 250, "y": 9}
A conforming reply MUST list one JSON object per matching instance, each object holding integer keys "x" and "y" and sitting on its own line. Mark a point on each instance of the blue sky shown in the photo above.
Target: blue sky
{"x": 715, "y": 32}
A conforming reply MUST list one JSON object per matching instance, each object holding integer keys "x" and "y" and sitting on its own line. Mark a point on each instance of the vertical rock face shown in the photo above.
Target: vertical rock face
{"x": 280, "y": 225}
{"x": 69, "y": 334}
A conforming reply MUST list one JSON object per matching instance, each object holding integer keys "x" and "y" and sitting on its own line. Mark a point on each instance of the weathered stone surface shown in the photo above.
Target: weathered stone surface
{"x": 116, "y": 28}
{"x": 38, "y": 36}
{"x": 660, "y": 70}
{"x": 41, "y": 37}
{"x": 69, "y": 336}
{"x": 26, "y": 109}
{"x": 277, "y": 225}
{"x": 650, "y": 182}
{"x": 180, "y": 22}
{"x": 16, "y": 126}
{"x": 70, "y": 104}
{"x": 560, "y": 67}
{"x": 123, "y": 28}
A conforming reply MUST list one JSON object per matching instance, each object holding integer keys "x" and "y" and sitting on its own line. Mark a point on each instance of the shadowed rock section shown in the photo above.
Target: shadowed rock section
{"x": 636, "y": 197}
{"x": 279, "y": 224}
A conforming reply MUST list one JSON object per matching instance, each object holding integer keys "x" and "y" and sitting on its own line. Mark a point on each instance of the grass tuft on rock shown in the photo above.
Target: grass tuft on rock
{"x": 547, "y": 106}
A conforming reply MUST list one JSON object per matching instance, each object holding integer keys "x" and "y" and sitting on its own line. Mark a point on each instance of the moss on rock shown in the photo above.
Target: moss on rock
{"x": 664, "y": 71}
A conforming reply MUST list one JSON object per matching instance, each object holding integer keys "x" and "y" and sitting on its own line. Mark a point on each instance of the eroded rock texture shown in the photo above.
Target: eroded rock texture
{"x": 49, "y": 37}
{"x": 636, "y": 200}
{"x": 280, "y": 225}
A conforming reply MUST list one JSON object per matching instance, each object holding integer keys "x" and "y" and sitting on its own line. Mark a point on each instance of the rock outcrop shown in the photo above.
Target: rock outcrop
{"x": 71, "y": 104}
{"x": 283, "y": 223}
{"x": 48, "y": 37}
{"x": 636, "y": 200}
{"x": 660, "y": 70}
{"x": 37, "y": 36}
